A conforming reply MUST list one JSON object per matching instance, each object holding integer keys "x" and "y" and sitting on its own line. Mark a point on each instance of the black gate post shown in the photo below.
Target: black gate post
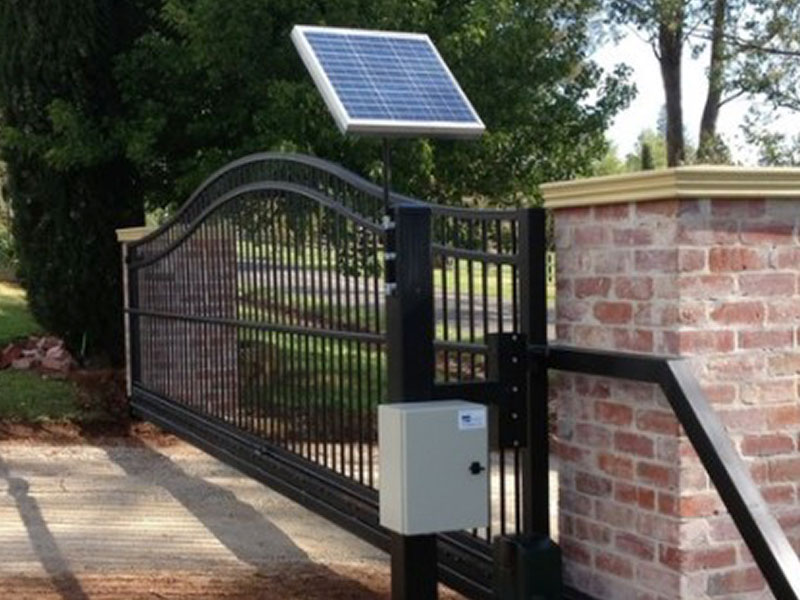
{"x": 529, "y": 565}
{"x": 533, "y": 304}
{"x": 410, "y": 357}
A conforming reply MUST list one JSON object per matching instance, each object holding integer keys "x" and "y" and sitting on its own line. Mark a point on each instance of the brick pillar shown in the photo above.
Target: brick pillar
{"x": 189, "y": 362}
{"x": 675, "y": 262}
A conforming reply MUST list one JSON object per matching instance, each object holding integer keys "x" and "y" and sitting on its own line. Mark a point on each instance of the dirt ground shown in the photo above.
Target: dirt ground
{"x": 99, "y": 514}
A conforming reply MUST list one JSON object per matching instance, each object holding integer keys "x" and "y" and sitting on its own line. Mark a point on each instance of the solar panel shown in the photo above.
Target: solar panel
{"x": 385, "y": 83}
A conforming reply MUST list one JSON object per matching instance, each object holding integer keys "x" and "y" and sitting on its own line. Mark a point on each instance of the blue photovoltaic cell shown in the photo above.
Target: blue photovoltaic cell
{"x": 393, "y": 78}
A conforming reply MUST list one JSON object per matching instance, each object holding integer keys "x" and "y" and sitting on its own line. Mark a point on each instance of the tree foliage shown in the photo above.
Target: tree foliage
{"x": 108, "y": 104}
{"x": 212, "y": 81}
{"x": 754, "y": 46}
{"x": 68, "y": 187}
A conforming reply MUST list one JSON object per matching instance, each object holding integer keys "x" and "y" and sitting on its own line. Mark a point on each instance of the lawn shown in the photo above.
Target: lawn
{"x": 15, "y": 319}
{"x": 27, "y": 397}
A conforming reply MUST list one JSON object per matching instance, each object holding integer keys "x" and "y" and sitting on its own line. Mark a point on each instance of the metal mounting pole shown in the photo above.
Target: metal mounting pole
{"x": 387, "y": 173}
{"x": 410, "y": 357}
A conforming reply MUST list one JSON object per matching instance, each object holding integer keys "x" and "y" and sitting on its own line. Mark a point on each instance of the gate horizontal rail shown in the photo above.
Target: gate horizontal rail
{"x": 761, "y": 532}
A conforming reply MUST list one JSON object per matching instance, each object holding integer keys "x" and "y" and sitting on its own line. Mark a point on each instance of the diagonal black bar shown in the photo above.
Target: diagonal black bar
{"x": 761, "y": 532}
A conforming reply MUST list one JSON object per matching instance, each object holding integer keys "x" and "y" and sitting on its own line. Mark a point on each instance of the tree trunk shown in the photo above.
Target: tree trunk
{"x": 670, "y": 44}
{"x": 716, "y": 72}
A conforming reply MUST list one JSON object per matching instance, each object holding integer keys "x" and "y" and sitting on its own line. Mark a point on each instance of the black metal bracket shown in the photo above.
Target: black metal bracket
{"x": 504, "y": 392}
{"x": 508, "y": 365}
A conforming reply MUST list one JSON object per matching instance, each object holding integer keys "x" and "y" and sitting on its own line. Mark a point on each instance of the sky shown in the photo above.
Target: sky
{"x": 644, "y": 110}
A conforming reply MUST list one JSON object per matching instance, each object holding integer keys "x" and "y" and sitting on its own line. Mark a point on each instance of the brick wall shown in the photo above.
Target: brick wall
{"x": 718, "y": 280}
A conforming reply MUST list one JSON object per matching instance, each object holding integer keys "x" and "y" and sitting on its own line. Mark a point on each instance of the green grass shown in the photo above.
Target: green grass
{"x": 15, "y": 319}
{"x": 26, "y": 397}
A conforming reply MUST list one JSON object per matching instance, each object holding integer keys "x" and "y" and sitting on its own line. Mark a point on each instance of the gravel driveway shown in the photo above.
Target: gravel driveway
{"x": 135, "y": 518}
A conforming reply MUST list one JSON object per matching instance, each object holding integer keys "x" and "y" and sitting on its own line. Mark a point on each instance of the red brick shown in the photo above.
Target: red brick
{"x": 574, "y": 213}
{"x": 657, "y": 421}
{"x": 699, "y": 341}
{"x": 571, "y": 310}
{"x": 586, "y": 287}
{"x": 657, "y": 579}
{"x": 627, "y": 493}
{"x": 706, "y": 286}
{"x": 662, "y": 261}
{"x": 766, "y": 444}
{"x": 738, "y": 208}
{"x": 668, "y": 504}
{"x": 784, "y": 469}
{"x": 615, "y": 515}
{"x": 768, "y": 340}
{"x": 740, "y": 313}
{"x": 691, "y": 260}
{"x": 735, "y": 367}
{"x": 590, "y": 235}
{"x": 637, "y": 340}
{"x": 633, "y": 288}
{"x": 707, "y": 233}
{"x": 700, "y": 505}
{"x": 592, "y": 485}
{"x": 616, "y": 565}
{"x": 780, "y": 494}
{"x": 613, "y": 312}
{"x": 659, "y": 208}
{"x": 783, "y": 311}
{"x": 611, "y": 261}
{"x": 786, "y": 258}
{"x": 593, "y": 436}
{"x": 612, "y": 212}
{"x": 633, "y": 443}
{"x": 592, "y": 531}
{"x": 770, "y": 284}
{"x": 575, "y": 552}
{"x": 592, "y": 387}
{"x": 725, "y": 260}
{"x": 572, "y": 502}
{"x": 635, "y": 545}
{"x": 657, "y": 475}
{"x": 688, "y": 561}
{"x": 744, "y": 419}
{"x": 790, "y": 519}
{"x": 733, "y": 582}
{"x": 569, "y": 453}
{"x": 616, "y": 466}
{"x": 613, "y": 413}
{"x": 633, "y": 237}
{"x": 720, "y": 393}
{"x": 592, "y": 336}
{"x": 767, "y": 234}
{"x": 659, "y": 527}
{"x": 783, "y": 417}
{"x": 646, "y": 498}
{"x": 784, "y": 364}
{"x": 773, "y": 391}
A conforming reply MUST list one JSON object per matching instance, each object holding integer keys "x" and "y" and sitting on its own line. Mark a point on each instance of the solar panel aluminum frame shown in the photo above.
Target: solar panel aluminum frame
{"x": 381, "y": 127}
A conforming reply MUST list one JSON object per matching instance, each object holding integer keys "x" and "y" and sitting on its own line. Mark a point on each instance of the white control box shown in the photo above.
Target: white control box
{"x": 433, "y": 466}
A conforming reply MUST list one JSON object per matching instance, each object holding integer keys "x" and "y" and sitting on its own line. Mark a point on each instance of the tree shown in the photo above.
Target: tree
{"x": 747, "y": 39}
{"x": 68, "y": 183}
{"x": 211, "y": 81}
{"x": 647, "y": 163}
{"x": 650, "y": 152}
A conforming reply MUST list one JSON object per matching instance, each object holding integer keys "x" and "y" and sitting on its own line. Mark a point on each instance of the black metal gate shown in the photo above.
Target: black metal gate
{"x": 259, "y": 331}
